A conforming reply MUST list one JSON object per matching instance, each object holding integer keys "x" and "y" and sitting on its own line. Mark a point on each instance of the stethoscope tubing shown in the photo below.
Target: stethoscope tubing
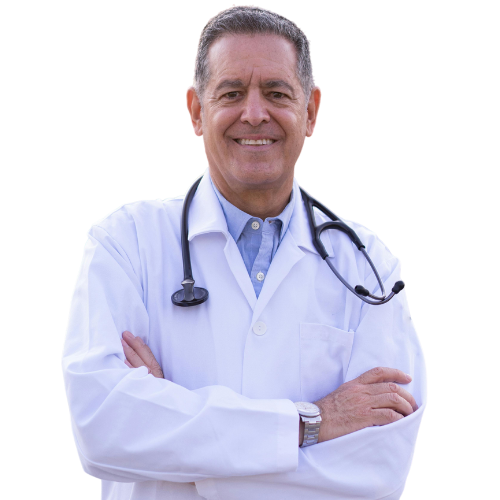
{"x": 337, "y": 223}
{"x": 191, "y": 295}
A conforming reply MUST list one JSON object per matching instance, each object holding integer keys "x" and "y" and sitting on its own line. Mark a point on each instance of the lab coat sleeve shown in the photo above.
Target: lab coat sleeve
{"x": 130, "y": 426}
{"x": 370, "y": 464}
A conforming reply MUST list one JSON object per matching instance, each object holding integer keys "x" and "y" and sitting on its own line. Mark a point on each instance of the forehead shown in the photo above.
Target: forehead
{"x": 245, "y": 56}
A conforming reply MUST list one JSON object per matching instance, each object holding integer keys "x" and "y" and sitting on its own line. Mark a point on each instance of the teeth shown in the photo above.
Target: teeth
{"x": 251, "y": 142}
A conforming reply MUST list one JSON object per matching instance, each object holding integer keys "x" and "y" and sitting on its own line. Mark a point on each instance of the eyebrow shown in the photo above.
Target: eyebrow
{"x": 270, "y": 84}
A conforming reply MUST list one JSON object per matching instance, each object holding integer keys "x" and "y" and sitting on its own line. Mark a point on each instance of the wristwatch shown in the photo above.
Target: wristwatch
{"x": 310, "y": 414}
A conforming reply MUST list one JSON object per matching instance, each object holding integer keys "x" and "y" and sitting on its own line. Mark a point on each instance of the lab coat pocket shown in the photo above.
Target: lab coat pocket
{"x": 324, "y": 357}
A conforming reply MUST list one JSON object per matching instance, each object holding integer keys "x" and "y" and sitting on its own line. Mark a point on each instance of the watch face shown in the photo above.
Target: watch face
{"x": 307, "y": 409}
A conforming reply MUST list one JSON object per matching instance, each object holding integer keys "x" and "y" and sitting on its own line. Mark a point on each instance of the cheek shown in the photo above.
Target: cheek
{"x": 216, "y": 123}
{"x": 220, "y": 120}
{"x": 292, "y": 122}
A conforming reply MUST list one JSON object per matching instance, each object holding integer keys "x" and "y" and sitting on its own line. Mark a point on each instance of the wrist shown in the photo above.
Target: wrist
{"x": 301, "y": 431}
{"x": 310, "y": 417}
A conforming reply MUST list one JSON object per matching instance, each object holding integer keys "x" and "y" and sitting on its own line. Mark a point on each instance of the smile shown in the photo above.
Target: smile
{"x": 252, "y": 142}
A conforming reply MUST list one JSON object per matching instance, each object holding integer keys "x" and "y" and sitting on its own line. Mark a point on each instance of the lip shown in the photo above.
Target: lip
{"x": 255, "y": 137}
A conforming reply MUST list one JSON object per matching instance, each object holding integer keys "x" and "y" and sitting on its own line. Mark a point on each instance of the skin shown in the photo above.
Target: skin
{"x": 254, "y": 93}
{"x": 137, "y": 354}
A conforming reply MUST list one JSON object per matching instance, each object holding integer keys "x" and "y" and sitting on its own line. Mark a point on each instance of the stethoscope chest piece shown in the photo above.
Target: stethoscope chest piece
{"x": 190, "y": 295}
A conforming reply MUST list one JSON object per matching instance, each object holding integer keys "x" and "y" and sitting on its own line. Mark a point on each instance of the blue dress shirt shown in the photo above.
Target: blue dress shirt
{"x": 257, "y": 240}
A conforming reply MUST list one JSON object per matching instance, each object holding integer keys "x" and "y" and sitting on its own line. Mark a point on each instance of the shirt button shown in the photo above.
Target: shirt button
{"x": 260, "y": 276}
{"x": 255, "y": 225}
{"x": 259, "y": 328}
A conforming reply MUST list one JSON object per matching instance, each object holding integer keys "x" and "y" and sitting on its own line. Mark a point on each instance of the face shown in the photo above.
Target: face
{"x": 255, "y": 116}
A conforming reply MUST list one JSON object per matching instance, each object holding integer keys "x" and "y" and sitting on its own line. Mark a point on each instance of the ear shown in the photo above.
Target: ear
{"x": 194, "y": 108}
{"x": 312, "y": 110}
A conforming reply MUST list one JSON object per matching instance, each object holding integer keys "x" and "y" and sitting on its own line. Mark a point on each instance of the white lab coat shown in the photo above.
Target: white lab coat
{"x": 222, "y": 424}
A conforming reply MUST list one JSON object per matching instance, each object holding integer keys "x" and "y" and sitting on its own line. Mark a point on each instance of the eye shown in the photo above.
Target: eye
{"x": 232, "y": 95}
{"x": 278, "y": 95}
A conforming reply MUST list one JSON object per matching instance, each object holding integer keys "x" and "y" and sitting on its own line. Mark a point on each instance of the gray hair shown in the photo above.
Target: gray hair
{"x": 252, "y": 21}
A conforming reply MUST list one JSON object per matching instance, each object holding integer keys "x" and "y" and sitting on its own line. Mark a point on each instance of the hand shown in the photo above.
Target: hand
{"x": 139, "y": 354}
{"x": 374, "y": 398}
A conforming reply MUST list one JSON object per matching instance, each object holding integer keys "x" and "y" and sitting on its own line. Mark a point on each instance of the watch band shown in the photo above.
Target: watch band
{"x": 311, "y": 430}
{"x": 310, "y": 414}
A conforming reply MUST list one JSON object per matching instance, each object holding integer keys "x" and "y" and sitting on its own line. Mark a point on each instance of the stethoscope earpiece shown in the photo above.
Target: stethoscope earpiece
{"x": 361, "y": 290}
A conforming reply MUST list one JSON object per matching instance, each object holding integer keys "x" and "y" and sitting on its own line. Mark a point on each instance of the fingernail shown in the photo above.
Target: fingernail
{"x": 123, "y": 343}
{"x": 128, "y": 335}
{"x": 408, "y": 377}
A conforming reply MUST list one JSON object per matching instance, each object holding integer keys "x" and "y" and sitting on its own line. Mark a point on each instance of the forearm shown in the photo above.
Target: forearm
{"x": 370, "y": 464}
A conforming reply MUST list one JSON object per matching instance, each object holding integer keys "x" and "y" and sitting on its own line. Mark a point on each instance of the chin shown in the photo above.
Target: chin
{"x": 257, "y": 174}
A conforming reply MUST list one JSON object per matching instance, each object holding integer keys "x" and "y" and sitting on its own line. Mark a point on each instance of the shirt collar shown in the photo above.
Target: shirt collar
{"x": 237, "y": 219}
{"x": 206, "y": 216}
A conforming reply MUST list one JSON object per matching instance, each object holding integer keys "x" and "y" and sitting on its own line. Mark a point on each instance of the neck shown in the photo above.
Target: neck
{"x": 260, "y": 201}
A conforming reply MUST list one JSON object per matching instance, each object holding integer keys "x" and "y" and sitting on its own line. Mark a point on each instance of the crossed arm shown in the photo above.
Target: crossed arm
{"x": 373, "y": 398}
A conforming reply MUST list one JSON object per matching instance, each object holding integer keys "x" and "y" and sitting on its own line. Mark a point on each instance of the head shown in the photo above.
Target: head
{"x": 254, "y": 99}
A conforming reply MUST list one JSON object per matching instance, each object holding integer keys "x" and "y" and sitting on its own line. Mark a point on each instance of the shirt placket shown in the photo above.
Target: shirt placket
{"x": 263, "y": 260}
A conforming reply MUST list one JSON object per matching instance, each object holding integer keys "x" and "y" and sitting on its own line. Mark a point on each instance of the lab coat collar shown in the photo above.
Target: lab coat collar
{"x": 206, "y": 216}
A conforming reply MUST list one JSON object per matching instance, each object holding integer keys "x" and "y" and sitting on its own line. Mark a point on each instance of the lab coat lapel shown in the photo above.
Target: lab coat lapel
{"x": 297, "y": 239}
{"x": 206, "y": 216}
{"x": 239, "y": 271}
{"x": 286, "y": 257}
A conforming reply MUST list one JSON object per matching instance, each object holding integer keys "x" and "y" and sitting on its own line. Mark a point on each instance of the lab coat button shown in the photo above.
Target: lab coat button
{"x": 260, "y": 276}
{"x": 255, "y": 225}
{"x": 259, "y": 328}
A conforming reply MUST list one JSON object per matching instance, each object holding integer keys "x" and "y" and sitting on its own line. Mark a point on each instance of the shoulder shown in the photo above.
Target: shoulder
{"x": 130, "y": 232}
{"x": 370, "y": 240}
{"x": 133, "y": 219}
{"x": 379, "y": 253}
{"x": 373, "y": 243}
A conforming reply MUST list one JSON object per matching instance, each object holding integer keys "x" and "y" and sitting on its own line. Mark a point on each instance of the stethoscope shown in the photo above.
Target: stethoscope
{"x": 191, "y": 295}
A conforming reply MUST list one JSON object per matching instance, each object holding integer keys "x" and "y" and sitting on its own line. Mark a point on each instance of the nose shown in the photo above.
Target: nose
{"x": 255, "y": 109}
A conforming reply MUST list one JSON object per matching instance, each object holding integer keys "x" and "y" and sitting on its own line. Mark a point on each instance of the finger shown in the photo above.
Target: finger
{"x": 384, "y": 416}
{"x": 148, "y": 357}
{"x": 404, "y": 394}
{"x": 139, "y": 347}
{"x": 156, "y": 370}
{"x": 144, "y": 352}
{"x": 391, "y": 387}
{"x": 130, "y": 339}
{"x": 128, "y": 364}
{"x": 392, "y": 401}
{"x": 132, "y": 357}
{"x": 154, "y": 367}
{"x": 381, "y": 374}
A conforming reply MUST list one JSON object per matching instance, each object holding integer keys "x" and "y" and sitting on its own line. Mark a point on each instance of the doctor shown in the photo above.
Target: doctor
{"x": 199, "y": 402}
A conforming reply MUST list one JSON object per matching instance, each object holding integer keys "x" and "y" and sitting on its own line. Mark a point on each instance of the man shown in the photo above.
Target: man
{"x": 198, "y": 402}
